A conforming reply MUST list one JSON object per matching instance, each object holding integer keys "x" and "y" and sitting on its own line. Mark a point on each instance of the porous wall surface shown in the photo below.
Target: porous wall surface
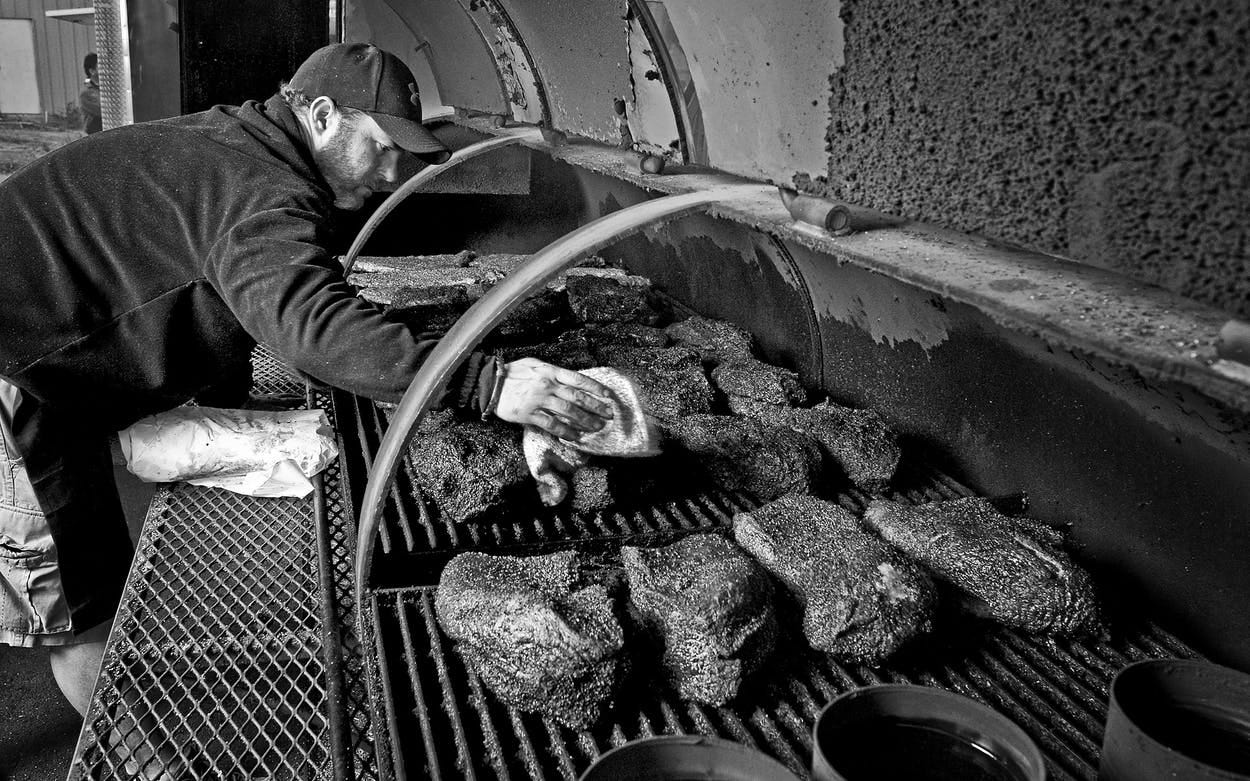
{"x": 1115, "y": 133}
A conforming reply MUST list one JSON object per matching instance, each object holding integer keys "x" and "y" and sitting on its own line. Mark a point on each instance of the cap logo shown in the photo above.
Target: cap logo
{"x": 415, "y": 97}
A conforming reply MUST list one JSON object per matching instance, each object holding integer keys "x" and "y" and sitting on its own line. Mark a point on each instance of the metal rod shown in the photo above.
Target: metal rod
{"x": 331, "y": 639}
{"x": 483, "y": 316}
{"x": 424, "y": 176}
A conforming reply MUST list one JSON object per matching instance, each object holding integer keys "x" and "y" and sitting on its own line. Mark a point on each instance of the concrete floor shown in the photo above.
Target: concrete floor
{"x": 38, "y": 728}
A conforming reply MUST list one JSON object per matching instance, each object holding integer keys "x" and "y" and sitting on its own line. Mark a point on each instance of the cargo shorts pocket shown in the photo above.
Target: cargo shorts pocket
{"x": 31, "y": 599}
{"x": 16, "y": 492}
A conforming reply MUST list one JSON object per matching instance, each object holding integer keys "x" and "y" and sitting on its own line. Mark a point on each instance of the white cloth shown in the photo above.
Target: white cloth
{"x": 246, "y": 451}
{"x": 631, "y": 433}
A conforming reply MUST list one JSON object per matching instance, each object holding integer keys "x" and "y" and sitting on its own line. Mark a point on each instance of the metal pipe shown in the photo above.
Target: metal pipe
{"x": 1234, "y": 342}
{"x": 511, "y": 138}
{"x": 484, "y": 315}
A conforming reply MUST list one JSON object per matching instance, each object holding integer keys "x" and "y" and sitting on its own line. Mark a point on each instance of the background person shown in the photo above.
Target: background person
{"x": 89, "y": 98}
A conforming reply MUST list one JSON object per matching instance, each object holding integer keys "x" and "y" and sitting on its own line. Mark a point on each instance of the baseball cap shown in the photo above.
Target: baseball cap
{"x": 368, "y": 79}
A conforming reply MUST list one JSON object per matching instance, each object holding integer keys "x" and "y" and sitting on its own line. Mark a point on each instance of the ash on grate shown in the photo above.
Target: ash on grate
{"x": 708, "y": 609}
{"x": 538, "y": 637}
{"x": 858, "y": 598}
{"x": 1008, "y": 570}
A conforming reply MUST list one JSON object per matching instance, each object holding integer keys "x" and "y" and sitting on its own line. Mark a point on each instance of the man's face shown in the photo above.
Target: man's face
{"x": 356, "y": 157}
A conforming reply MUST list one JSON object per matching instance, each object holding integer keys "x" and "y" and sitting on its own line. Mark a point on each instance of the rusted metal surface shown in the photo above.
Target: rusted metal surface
{"x": 441, "y": 33}
{"x": 521, "y": 84}
{"x": 762, "y": 71}
{"x": 662, "y": 116}
{"x": 579, "y": 48}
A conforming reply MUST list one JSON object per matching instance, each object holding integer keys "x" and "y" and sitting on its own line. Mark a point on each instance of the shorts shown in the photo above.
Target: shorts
{"x": 33, "y": 609}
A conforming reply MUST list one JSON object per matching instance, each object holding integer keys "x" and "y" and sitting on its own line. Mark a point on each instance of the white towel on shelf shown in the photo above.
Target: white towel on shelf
{"x": 258, "y": 453}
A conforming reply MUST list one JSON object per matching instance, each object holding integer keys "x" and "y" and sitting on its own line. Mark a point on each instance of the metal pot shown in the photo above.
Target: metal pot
{"x": 683, "y": 758}
{"x": 901, "y": 731}
{"x": 1177, "y": 718}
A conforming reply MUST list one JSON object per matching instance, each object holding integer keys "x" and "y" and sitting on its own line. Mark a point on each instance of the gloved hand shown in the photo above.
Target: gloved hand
{"x": 559, "y": 401}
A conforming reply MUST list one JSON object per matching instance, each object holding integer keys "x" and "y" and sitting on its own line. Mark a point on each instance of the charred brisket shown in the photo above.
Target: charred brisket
{"x": 537, "y": 637}
{"x": 610, "y": 296}
{"x": 1004, "y": 569}
{"x": 759, "y": 381}
{"x": 470, "y": 469}
{"x": 716, "y": 341}
{"x": 708, "y": 606}
{"x": 857, "y": 440}
{"x": 743, "y": 454}
{"x": 670, "y": 380}
{"x": 860, "y": 600}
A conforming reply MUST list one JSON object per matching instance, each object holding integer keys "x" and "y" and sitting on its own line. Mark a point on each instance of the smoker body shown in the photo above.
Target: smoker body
{"x": 1010, "y": 312}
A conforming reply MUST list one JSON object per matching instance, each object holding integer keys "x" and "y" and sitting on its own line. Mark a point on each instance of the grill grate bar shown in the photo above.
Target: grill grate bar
{"x": 1083, "y": 737}
{"x": 564, "y": 759}
{"x": 450, "y": 700}
{"x": 1053, "y": 683}
{"x": 970, "y": 681}
{"x": 389, "y": 698}
{"x": 421, "y": 708}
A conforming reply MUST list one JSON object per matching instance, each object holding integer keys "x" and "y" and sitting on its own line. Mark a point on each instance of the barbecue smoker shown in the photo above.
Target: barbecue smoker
{"x": 1070, "y": 340}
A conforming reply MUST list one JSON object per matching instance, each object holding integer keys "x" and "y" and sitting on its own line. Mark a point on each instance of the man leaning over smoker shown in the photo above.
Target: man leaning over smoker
{"x": 141, "y": 265}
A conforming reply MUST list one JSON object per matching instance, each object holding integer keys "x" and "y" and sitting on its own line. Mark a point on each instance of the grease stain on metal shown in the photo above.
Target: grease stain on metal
{"x": 890, "y": 313}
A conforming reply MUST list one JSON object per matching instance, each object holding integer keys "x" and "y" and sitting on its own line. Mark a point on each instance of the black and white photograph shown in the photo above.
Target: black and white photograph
{"x": 624, "y": 390}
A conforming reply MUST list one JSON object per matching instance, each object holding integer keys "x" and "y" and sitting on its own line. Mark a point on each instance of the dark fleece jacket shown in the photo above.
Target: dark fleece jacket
{"x": 139, "y": 266}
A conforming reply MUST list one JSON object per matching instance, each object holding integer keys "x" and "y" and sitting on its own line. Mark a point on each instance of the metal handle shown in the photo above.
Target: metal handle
{"x": 426, "y": 174}
{"x": 484, "y": 315}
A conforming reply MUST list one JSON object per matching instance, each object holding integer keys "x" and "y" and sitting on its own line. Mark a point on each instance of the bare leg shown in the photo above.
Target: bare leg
{"x": 75, "y": 666}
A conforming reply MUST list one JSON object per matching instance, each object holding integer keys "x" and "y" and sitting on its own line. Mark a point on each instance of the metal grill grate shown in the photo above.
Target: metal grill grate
{"x": 453, "y": 728}
{"x": 411, "y": 527}
{"x": 216, "y": 665}
{"x": 445, "y": 724}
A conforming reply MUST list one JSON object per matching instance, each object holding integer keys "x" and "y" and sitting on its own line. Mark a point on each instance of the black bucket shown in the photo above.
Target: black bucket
{"x": 901, "y": 731}
{"x": 1177, "y": 718}
{"x": 686, "y": 758}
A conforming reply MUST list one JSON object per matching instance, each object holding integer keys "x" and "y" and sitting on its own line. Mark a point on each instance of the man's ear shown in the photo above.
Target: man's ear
{"x": 323, "y": 113}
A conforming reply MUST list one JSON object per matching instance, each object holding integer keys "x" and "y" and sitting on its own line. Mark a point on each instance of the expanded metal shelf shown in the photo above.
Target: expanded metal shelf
{"x": 232, "y": 654}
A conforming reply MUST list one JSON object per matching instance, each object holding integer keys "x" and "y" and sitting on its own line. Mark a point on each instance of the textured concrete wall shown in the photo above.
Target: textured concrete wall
{"x": 1115, "y": 133}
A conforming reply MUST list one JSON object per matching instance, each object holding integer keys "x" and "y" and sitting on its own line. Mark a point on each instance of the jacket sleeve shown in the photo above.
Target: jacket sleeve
{"x": 289, "y": 293}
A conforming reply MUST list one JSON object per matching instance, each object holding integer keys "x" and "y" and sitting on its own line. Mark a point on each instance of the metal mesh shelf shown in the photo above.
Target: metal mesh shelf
{"x": 219, "y": 664}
